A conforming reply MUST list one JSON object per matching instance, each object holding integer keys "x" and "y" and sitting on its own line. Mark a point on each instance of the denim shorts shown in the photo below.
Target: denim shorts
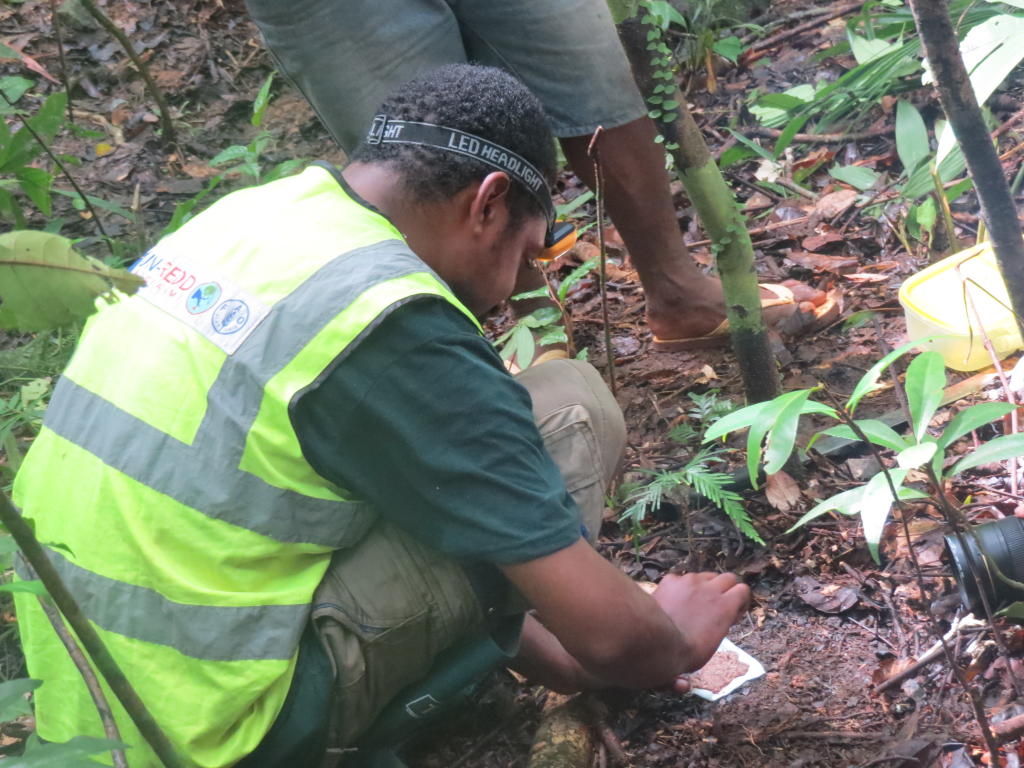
{"x": 346, "y": 56}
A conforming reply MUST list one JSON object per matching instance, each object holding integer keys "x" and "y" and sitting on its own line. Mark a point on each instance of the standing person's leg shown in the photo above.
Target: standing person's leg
{"x": 346, "y": 57}
{"x": 568, "y": 53}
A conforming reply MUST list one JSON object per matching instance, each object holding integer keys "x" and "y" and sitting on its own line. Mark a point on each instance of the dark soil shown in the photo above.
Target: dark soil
{"x": 826, "y": 621}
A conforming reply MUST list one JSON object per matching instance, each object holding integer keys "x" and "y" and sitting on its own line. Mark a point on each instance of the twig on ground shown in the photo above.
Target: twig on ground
{"x": 35, "y": 556}
{"x": 794, "y": 187}
{"x": 595, "y": 155}
{"x": 928, "y": 657}
{"x": 478, "y": 746}
{"x": 842, "y": 10}
{"x": 897, "y": 625}
{"x": 82, "y": 664}
{"x": 167, "y": 134}
{"x": 758, "y": 230}
{"x": 819, "y": 138}
{"x": 773, "y": 25}
{"x": 972, "y": 693}
{"x": 55, "y": 23}
{"x": 64, "y": 170}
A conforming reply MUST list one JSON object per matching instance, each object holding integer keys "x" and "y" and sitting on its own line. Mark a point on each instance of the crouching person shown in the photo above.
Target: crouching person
{"x": 295, "y": 489}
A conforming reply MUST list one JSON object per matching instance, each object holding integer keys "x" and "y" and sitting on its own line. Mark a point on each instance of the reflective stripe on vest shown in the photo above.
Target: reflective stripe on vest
{"x": 172, "y": 488}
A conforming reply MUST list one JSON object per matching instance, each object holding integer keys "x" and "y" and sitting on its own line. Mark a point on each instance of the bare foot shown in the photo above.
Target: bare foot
{"x": 698, "y": 308}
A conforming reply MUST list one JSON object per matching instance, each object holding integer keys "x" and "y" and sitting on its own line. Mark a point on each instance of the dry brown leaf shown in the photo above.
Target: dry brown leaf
{"x": 817, "y": 242}
{"x": 782, "y": 491}
{"x": 834, "y": 203}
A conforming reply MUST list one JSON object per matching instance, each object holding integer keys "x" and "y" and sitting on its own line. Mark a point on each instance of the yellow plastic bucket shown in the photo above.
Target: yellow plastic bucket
{"x": 934, "y": 303}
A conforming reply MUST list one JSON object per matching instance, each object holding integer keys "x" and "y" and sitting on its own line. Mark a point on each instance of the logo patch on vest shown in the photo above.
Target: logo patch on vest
{"x": 221, "y": 311}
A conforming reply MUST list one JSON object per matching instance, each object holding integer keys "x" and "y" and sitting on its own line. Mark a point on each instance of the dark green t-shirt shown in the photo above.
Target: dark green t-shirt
{"x": 423, "y": 421}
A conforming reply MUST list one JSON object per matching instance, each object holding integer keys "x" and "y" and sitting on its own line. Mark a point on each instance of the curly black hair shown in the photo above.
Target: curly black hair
{"x": 484, "y": 101}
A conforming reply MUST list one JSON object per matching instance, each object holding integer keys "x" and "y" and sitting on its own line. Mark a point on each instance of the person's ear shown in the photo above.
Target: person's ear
{"x": 489, "y": 205}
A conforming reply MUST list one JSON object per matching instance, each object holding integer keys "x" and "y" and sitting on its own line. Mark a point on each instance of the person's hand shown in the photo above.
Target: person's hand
{"x": 703, "y": 606}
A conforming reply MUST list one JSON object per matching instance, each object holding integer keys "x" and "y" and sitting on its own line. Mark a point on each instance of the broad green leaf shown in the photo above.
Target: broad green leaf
{"x": 7, "y": 546}
{"x": 970, "y": 419}
{"x": 925, "y": 381}
{"x": 1016, "y": 610}
{"x": 45, "y": 283}
{"x": 990, "y": 52}
{"x": 35, "y": 183}
{"x": 997, "y": 449}
{"x": 555, "y": 336}
{"x": 927, "y": 215}
{"x": 875, "y": 431}
{"x": 71, "y": 754}
{"x": 751, "y": 145}
{"x": 954, "y": 192}
{"x": 911, "y": 136}
{"x": 262, "y": 99}
{"x": 784, "y": 101}
{"x": 33, "y": 391}
{"x": 541, "y": 317}
{"x": 920, "y": 182}
{"x": 229, "y": 155}
{"x": 783, "y": 436}
{"x": 12, "y": 697}
{"x": 869, "y": 381}
{"x": 735, "y": 154}
{"x": 744, "y": 417}
{"x": 6, "y": 52}
{"x": 772, "y": 116}
{"x": 34, "y": 587}
{"x": 623, "y": 9}
{"x": 866, "y": 51}
{"x": 856, "y": 175}
{"x": 846, "y": 503}
{"x": 97, "y": 202}
{"x": 14, "y": 88}
{"x": 522, "y": 340}
{"x": 575, "y": 276}
{"x": 786, "y": 138}
{"x": 562, "y": 211}
{"x": 539, "y": 293}
{"x": 874, "y": 508}
{"x": 915, "y": 455}
{"x": 281, "y": 170}
{"x": 729, "y": 48}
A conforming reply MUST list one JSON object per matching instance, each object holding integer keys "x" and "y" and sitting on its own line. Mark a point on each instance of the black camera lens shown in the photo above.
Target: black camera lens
{"x": 1003, "y": 542}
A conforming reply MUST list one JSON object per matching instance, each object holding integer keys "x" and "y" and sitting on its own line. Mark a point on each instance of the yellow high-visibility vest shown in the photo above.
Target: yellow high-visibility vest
{"x": 168, "y": 483}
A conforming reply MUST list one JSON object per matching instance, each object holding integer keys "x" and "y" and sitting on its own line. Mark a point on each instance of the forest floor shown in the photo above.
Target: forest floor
{"x": 827, "y": 622}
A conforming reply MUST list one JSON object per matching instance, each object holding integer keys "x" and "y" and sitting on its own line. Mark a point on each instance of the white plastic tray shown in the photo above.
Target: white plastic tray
{"x": 754, "y": 671}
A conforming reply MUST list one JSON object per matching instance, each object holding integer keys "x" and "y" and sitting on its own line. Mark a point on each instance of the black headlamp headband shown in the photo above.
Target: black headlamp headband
{"x": 387, "y": 130}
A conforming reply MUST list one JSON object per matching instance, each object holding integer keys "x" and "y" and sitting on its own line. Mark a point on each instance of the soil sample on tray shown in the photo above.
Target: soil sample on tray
{"x": 724, "y": 667}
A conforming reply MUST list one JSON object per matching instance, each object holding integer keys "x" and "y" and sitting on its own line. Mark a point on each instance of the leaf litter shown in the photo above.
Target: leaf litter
{"x": 826, "y": 637}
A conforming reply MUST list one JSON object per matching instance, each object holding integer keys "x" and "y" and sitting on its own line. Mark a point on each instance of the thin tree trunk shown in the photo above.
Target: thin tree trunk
{"x": 36, "y": 557}
{"x": 961, "y": 106}
{"x": 722, "y": 220}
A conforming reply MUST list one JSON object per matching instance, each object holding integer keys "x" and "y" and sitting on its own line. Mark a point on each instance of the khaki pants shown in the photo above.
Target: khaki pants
{"x": 389, "y": 605}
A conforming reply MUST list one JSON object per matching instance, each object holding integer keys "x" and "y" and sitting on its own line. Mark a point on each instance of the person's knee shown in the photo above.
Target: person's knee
{"x": 561, "y": 384}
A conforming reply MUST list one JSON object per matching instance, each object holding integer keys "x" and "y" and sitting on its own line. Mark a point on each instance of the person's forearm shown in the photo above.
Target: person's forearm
{"x": 616, "y": 631}
{"x": 542, "y": 660}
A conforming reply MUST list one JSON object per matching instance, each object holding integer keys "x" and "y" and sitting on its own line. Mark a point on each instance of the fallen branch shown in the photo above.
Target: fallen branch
{"x": 819, "y": 138}
{"x": 167, "y": 134}
{"x": 770, "y": 42}
{"x": 564, "y": 738}
{"x": 758, "y": 230}
{"x": 110, "y": 729}
{"x": 33, "y": 553}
